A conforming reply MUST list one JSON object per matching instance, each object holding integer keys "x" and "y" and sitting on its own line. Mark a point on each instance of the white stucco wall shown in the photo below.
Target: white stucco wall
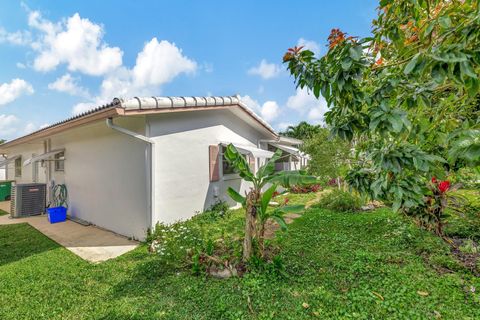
{"x": 182, "y": 159}
{"x": 26, "y": 151}
{"x": 105, "y": 175}
{"x": 2, "y": 173}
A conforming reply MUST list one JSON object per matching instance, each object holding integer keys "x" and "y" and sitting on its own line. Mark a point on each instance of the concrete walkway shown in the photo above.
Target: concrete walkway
{"x": 88, "y": 242}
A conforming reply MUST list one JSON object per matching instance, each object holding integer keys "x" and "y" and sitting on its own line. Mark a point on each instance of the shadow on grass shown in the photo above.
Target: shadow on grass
{"x": 19, "y": 241}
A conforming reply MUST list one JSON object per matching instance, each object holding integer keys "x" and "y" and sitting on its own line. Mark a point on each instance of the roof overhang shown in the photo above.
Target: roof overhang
{"x": 291, "y": 150}
{"x": 287, "y": 149}
{"x": 41, "y": 157}
{"x": 255, "y": 152}
{"x": 289, "y": 141}
{"x": 69, "y": 124}
{"x": 8, "y": 160}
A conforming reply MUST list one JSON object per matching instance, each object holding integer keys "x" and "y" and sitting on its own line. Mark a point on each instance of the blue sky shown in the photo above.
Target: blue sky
{"x": 58, "y": 58}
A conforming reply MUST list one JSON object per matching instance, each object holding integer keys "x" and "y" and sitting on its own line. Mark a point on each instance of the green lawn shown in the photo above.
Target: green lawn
{"x": 3, "y": 212}
{"x": 337, "y": 266}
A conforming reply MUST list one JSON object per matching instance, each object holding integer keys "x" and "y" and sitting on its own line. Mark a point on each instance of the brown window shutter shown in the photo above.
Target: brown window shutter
{"x": 214, "y": 162}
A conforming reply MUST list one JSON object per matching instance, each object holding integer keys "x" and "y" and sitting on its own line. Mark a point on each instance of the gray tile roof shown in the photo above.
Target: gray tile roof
{"x": 160, "y": 102}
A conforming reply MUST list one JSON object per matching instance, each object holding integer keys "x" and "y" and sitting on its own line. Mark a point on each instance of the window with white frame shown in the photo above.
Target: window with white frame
{"x": 60, "y": 161}
{"x": 18, "y": 167}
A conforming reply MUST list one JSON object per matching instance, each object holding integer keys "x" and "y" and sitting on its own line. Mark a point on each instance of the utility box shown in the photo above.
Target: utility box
{"x": 28, "y": 199}
{"x": 5, "y": 190}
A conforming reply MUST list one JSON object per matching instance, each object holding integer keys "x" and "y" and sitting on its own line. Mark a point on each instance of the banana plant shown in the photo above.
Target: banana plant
{"x": 256, "y": 202}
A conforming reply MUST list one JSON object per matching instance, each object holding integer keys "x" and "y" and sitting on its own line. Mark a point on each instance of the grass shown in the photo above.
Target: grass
{"x": 3, "y": 212}
{"x": 337, "y": 266}
{"x": 465, "y": 224}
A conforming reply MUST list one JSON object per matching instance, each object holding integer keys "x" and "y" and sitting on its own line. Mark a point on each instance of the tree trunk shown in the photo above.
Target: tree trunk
{"x": 261, "y": 239}
{"x": 250, "y": 221}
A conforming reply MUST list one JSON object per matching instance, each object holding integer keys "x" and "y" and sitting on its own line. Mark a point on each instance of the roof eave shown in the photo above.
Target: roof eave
{"x": 98, "y": 115}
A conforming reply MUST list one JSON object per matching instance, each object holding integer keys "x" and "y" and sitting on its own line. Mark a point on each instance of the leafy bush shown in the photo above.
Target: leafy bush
{"x": 339, "y": 200}
{"x": 306, "y": 189}
{"x": 183, "y": 245}
{"x": 174, "y": 243}
{"x": 464, "y": 220}
{"x": 217, "y": 210}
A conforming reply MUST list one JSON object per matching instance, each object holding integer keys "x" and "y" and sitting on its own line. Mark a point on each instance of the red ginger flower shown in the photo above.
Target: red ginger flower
{"x": 443, "y": 186}
{"x": 434, "y": 180}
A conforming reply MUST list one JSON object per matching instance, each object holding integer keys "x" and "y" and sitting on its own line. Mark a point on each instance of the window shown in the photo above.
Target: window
{"x": 18, "y": 167}
{"x": 227, "y": 168}
{"x": 60, "y": 161}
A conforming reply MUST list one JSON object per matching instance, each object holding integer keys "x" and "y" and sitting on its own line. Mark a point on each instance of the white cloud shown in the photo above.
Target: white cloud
{"x": 44, "y": 125}
{"x": 87, "y": 106}
{"x": 16, "y": 38}
{"x": 7, "y": 125}
{"x": 29, "y": 128}
{"x": 68, "y": 84}
{"x": 79, "y": 44}
{"x": 309, "y": 45}
{"x": 20, "y": 65}
{"x": 270, "y": 110}
{"x": 11, "y": 91}
{"x": 82, "y": 107}
{"x": 305, "y": 102}
{"x": 76, "y": 42}
{"x": 282, "y": 126}
{"x": 251, "y": 103}
{"x": 207, "y": 67}
{"x": 159, "y": 63}
{"x": 265, "y": 70}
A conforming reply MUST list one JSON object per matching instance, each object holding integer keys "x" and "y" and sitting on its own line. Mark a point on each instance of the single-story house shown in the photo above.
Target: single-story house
{"x": 134, "y": 162}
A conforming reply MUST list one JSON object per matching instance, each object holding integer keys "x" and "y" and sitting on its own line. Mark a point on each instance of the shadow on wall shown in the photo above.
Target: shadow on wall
{"x": 217, "y": 191}
{"x": 19, "y": 241}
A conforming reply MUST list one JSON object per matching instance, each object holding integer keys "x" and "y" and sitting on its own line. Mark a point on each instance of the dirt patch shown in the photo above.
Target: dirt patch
{"x": 271, "y": 227}
{"x": 468, "y": 259}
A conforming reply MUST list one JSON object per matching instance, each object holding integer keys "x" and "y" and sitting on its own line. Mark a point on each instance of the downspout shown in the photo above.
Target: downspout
{"x": 149, "y": 164}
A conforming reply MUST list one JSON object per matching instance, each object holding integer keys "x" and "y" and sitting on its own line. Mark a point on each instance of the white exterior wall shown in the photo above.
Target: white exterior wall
{"x": 2, "y": 173}
{"x": 26, "y": 151}
{"x": 105, "y": 174}
{"x": 182, "y": 140}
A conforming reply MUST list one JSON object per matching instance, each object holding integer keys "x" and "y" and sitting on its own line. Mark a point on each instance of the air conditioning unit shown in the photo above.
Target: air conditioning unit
{"x": 28, "y": 199}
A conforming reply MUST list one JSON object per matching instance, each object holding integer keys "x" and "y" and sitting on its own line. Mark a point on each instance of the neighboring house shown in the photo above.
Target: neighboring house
{"x": 132, "y": 163}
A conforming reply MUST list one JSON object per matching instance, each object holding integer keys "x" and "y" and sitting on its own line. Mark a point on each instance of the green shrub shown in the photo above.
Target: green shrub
{"x": 341, "y": 201}
{"x": 174, "y": 243}
{"x": 464, "y": 221}
{"x": 218, "y": 210}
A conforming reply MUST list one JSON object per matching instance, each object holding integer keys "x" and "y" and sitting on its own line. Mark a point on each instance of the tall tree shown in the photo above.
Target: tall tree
{"x": 301, "y": 131}
{"x": 330, "y": 156}
{"x": 408, "y": 95}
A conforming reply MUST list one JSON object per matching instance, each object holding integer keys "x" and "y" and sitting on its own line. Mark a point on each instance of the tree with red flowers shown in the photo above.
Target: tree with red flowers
{"x": 407, "y": 97}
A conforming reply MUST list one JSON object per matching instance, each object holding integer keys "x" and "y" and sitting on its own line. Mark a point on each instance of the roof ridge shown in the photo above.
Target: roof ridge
{"x": 158, "y": 102}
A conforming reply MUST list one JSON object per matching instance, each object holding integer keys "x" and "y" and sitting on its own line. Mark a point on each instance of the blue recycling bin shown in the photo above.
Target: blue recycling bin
{"x": 57, "y": 214}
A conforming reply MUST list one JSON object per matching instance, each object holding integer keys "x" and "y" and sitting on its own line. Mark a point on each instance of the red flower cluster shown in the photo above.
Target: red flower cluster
{"x": 306, "y": 189}
{"x": 443, "y": 186}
